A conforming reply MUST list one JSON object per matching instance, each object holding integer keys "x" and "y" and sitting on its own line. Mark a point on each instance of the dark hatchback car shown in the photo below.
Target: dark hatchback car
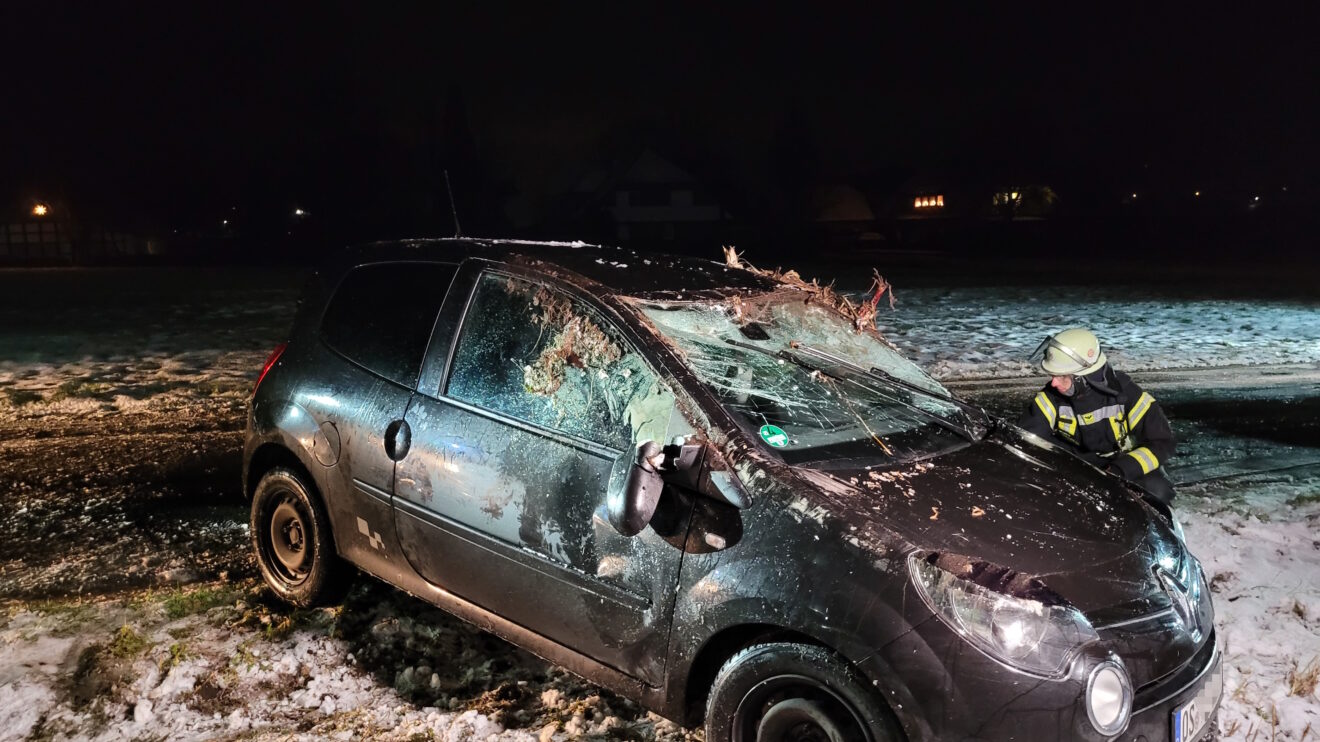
{"x": 718, "y": 492}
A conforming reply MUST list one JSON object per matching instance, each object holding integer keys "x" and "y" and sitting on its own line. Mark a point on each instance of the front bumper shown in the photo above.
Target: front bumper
{"x": 980, "y": 699}
{"x": 1201, "y": 680}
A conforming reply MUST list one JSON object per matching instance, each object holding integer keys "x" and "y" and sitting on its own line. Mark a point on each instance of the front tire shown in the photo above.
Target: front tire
{"x": 784, "y": 691}
{"x": 293, "y": 543}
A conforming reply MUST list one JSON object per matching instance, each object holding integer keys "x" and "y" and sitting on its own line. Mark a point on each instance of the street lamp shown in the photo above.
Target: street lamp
{"x": 40, "y": 210}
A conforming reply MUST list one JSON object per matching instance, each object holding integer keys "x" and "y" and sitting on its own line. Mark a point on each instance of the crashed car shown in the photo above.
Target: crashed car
{"x": 717, "y": 491}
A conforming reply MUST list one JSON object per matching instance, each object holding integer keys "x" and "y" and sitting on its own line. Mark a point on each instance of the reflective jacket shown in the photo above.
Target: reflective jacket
{"x": 1107, "y": 416}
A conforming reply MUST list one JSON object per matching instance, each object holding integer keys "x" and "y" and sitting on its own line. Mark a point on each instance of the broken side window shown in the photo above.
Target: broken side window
{"x": 536, "y": 354}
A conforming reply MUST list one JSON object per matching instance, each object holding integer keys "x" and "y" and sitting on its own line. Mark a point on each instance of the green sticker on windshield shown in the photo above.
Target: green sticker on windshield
{"x": 774, "y": 436}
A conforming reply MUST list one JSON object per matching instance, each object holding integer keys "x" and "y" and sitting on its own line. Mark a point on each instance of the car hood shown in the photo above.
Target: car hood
{"x": 1015, "y": 501}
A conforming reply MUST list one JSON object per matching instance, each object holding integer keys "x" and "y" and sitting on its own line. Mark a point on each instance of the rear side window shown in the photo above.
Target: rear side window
{"x": 381, "y": 316}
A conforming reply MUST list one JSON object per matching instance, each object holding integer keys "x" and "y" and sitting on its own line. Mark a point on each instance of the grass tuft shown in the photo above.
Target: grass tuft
{"x": 80, "y": 389}
{"x": 20, "y": 397}
{"x": 178, "y": 652}
{"x": 187, "y": 602}
{"x": 127, "y": 642}
{"x": 1302, "y": 682}
{"x": 1307, "y": 499}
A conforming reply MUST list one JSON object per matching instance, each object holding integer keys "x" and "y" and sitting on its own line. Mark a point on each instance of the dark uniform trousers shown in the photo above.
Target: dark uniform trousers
{"x": 1111, "y": 422}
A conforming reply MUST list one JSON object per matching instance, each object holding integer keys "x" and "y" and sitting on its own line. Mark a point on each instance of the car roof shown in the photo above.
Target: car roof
{"x": 622, "y": 271}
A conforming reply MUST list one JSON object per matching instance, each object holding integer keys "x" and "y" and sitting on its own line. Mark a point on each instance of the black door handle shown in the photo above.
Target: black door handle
{"x": 398, "y": 439}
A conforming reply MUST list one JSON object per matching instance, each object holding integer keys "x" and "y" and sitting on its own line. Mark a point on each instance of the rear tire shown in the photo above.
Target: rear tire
{"x": 293, "y": 542}
{"x": 785, "y": 691}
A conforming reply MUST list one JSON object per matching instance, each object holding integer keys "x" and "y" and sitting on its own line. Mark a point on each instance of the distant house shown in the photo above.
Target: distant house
{"x": 1026, "y": 201}
{"x": 640, "y": 198}
{"x": 39, "y": 232}
{"x": 947, "y": 196}
{"x": 655, "y": 201}
{"x": 843, "y": 216}
{"x": 35, "y": 233}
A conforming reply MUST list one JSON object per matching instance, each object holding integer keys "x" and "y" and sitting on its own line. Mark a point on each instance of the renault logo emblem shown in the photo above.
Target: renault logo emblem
{"x": 1179, "y": 596}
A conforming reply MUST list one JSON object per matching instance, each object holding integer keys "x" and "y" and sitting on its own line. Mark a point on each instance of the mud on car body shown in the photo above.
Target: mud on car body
{"x": 713, "y": 491}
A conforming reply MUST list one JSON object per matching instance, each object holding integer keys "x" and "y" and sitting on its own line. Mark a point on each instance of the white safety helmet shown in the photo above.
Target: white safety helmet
{"x": 1074, "y": 352}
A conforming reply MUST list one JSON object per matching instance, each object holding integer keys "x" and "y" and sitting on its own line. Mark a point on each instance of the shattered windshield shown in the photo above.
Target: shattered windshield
{"x": 795, "y": 374}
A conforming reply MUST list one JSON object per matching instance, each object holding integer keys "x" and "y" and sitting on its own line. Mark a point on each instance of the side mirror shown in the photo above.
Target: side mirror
{"x": 632, "y": 503}
{"x": 700, "y": 468}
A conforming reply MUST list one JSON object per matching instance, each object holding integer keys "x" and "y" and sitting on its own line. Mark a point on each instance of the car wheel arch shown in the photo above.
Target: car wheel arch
{"x": 723, "y": 643}
{"x": 278, "y": 453}
{"x": 720, "y": 647}
{"x": 273, "y": 455}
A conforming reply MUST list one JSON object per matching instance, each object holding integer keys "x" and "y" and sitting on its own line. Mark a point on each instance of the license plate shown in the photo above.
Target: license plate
{"x": 1191, "y": 719}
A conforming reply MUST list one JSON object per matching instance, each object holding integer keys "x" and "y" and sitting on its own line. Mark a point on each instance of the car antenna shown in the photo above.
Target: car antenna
{"x": 458, "y": 231}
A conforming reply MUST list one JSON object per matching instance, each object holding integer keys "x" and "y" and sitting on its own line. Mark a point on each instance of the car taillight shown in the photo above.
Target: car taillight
{"x": 265, "y": 369}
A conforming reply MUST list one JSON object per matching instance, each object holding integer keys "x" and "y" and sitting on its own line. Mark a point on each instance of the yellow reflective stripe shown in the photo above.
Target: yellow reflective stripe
{"x": 1046, "y": 406}
{"x": 1094, "y": 416}
{"x": 1116, "y": 426}
{"x": 1145, "y": 458}
{"x": 1140, "y": 409}
{"x": 1068, "y": 426}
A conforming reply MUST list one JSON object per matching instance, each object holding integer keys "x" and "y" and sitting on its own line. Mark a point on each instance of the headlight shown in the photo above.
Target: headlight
{"x": 1039, "y": 636}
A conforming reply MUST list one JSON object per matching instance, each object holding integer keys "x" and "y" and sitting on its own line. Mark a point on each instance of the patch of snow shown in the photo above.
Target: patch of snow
{"x": 22, "y": 705}
{"x": 1265, "y": 577}
{"x": 989, "y": 332}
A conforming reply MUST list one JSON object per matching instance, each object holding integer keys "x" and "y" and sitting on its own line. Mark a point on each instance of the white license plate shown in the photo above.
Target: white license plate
{"x": 1191, "y": 719}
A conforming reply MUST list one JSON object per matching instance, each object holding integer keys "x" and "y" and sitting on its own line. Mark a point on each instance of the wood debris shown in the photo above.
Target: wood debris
{"x": 862, "y": 315}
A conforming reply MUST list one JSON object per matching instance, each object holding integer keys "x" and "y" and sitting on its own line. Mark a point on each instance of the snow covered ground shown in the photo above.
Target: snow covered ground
{"x": 145, "y": 621}
{"x": 988, "y": 332}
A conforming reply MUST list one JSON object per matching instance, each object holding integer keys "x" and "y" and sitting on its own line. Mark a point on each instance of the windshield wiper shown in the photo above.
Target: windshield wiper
{"x": 783, "y": 355}
{"x": 792, "y": 358}
{"x": 975, "y": 415}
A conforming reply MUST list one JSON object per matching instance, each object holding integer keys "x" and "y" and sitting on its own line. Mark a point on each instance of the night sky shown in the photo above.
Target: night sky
{"x": 171, "y": 111}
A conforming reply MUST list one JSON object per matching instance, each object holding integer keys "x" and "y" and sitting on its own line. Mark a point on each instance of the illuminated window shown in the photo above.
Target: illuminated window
{"x": 927, "y": 202}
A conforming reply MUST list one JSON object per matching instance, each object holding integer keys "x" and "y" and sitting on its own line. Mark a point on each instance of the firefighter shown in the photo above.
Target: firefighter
{"x": 1100, "y": 413}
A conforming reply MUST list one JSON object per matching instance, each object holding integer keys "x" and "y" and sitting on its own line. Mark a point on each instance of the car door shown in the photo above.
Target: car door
{"x": 373, "y": 337}
{"x": 502, "y": 497}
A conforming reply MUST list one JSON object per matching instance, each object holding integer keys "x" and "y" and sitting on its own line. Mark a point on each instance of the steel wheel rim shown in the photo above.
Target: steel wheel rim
{"x": 288, "y": 539}
{"x": 796, "y": 707}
